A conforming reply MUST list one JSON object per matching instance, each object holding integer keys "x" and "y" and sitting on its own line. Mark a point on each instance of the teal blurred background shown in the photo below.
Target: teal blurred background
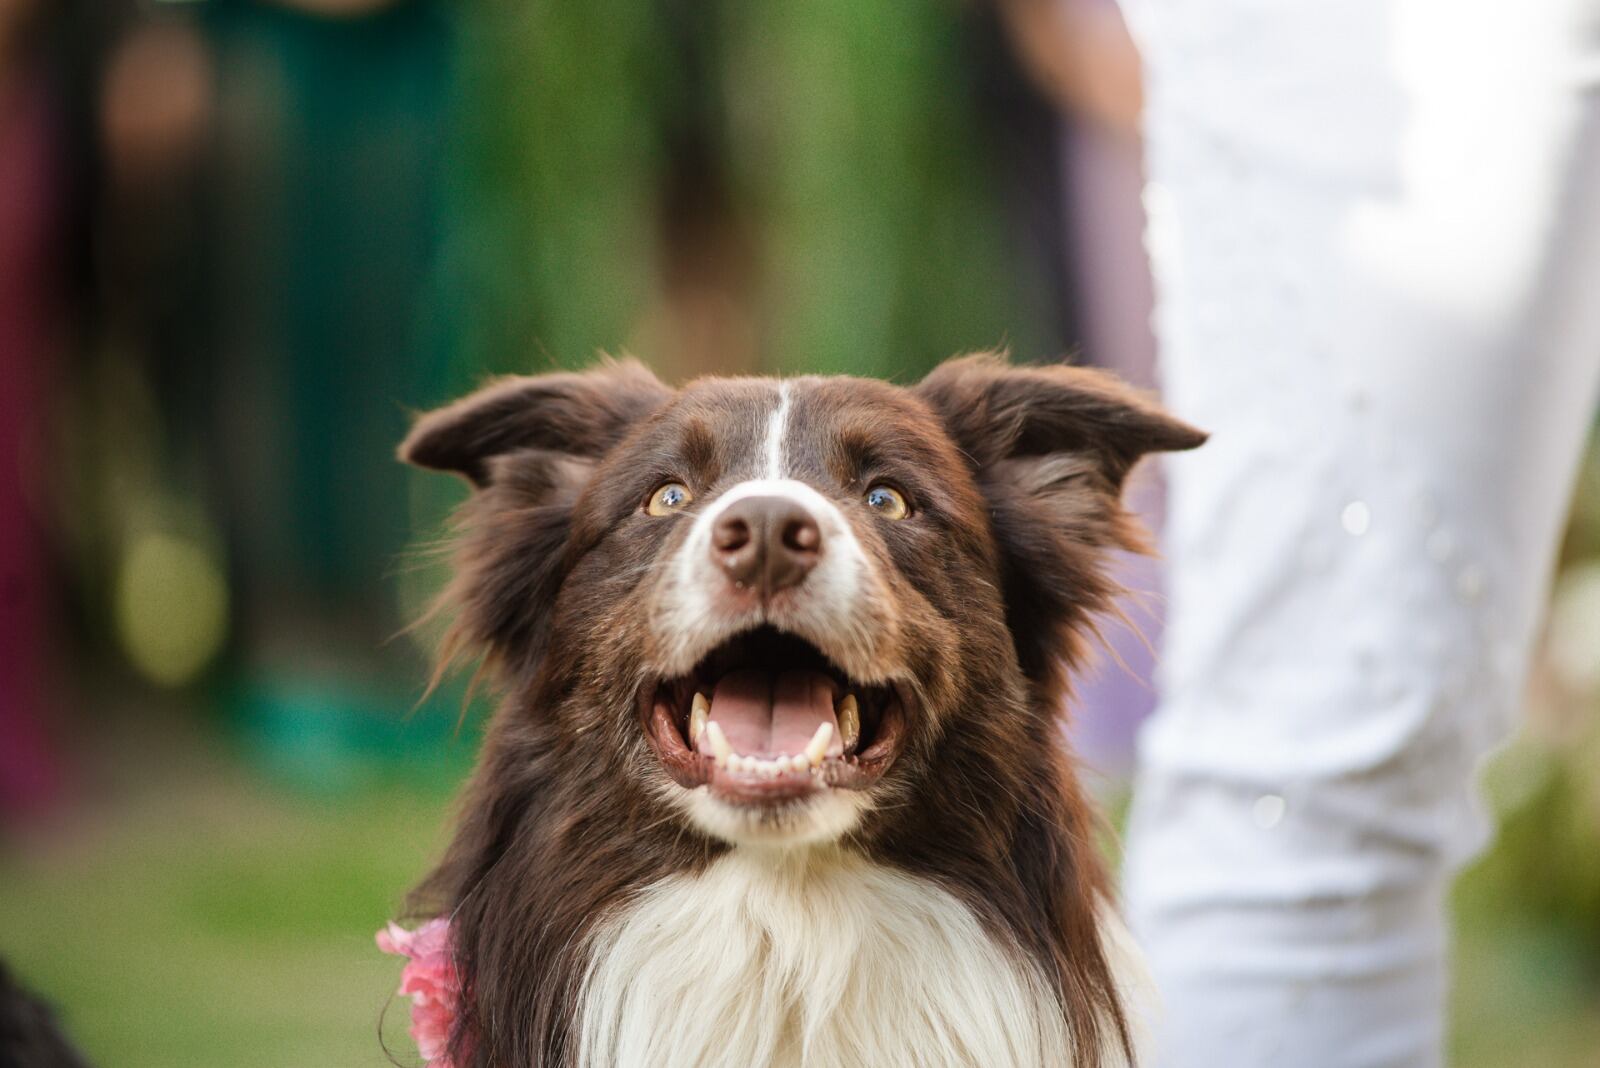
{"x": 242, "y": 242}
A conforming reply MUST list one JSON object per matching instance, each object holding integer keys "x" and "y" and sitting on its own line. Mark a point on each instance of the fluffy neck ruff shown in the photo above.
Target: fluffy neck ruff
{"x": 816, "y": 957}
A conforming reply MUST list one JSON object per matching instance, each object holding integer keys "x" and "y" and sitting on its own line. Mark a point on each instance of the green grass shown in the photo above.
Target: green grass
{"x": 224, "y": 927}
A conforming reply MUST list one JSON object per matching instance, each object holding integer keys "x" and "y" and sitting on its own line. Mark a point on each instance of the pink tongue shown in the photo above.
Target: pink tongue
{"x": 768, "y": 715}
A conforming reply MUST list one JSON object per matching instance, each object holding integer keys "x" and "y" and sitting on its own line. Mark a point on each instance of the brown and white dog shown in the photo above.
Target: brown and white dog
{"x": 779, "y": 777}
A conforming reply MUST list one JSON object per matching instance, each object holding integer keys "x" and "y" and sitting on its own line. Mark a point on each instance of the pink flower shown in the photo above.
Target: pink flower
{"x": 429, "y": 979}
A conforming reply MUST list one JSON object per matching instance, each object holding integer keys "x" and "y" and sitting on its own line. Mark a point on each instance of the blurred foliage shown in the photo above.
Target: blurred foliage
{"x": 839, "y": 141}
{"x": 383, "y": 209}
{"x": 1526, "y": 964}
{"x": 1538, "y": 888}
{"x": 1546, "y": 785}
{"x": 1547, "y": 866}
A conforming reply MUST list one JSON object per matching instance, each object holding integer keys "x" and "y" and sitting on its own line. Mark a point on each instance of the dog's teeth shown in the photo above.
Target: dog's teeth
{"x": 719, "y": 744}
{"x": 817, "y": 747}
{"x": 736, "y": 763}
{"x": 799, "y": 762}
{"x": 698, "y": 711}
{"x": 849, "y": 722}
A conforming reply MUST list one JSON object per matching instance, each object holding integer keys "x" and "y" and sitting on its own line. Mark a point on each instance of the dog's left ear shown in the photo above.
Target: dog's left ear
{"x": 1050, "y": 447}
{"x": 579, "y": 414}
{"x": 998, "y": 413}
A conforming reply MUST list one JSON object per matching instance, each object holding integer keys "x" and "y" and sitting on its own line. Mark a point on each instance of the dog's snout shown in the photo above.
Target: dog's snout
{"x": 768, "y": 543}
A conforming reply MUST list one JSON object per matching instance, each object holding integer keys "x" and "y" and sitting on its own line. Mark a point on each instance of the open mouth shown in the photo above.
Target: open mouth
{"x": 766, "y": 717}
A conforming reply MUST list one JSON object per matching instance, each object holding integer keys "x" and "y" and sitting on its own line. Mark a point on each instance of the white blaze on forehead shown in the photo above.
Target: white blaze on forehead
{"x": 825, "y": 512}
{"x": 777, "y": 428}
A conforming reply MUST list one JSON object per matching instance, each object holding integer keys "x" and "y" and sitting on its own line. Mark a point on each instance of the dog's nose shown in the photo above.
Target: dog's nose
{"x": 770, "y": 543}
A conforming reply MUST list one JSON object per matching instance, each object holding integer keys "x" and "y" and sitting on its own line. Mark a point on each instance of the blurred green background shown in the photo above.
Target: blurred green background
{"x": 245, "y": 240}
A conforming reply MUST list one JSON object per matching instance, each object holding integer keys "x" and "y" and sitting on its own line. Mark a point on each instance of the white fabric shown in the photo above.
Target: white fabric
{"x": 1376, "y": 228}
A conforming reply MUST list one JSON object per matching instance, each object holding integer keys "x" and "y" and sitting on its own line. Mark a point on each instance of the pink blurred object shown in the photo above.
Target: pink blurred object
{"x": 30, "y": 777}
{"x": 429, "y": 979}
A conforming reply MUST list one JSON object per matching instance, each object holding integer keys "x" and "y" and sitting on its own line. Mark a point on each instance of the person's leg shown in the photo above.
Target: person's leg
{"x": 1377, "y": 246}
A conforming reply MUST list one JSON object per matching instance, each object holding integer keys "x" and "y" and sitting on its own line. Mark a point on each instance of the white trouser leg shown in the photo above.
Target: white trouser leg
{"x": 1376, "y": 226}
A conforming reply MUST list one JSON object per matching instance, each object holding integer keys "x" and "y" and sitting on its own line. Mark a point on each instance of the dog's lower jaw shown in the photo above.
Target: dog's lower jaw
{"x": 811, "y": 956}
{"x": 810, "y": 821}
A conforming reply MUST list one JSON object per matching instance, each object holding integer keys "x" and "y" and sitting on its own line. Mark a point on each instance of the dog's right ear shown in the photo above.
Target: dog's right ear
{"x": 529, "y": 447}
{"x": 580, "y": 414}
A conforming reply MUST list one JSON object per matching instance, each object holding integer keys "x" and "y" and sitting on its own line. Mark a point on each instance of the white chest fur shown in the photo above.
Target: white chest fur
{"x": 816, "y": 958}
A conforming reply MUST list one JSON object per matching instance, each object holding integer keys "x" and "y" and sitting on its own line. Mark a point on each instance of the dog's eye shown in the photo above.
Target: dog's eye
{"x": 888, "y": 502}
{"x": 668, "y": 498}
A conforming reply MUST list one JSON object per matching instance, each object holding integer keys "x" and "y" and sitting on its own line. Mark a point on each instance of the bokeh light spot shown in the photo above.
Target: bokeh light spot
{"x": 171, "y": 608}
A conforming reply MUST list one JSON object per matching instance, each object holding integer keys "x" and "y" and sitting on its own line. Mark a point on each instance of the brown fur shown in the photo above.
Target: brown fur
{"x": 1016, "y": 474}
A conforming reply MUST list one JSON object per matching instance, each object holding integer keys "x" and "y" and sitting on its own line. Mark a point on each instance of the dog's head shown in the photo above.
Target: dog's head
{"x": 773, "y": 607}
